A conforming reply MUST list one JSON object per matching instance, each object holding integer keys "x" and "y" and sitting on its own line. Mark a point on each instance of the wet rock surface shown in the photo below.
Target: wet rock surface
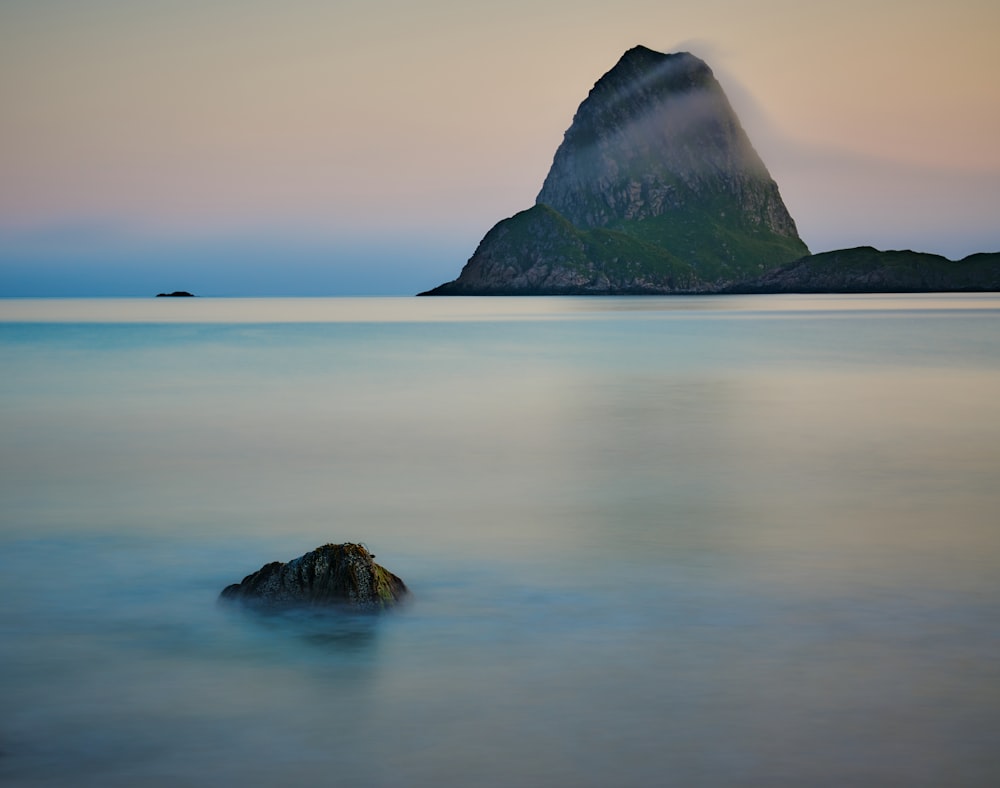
{"x": 331, "y": 575}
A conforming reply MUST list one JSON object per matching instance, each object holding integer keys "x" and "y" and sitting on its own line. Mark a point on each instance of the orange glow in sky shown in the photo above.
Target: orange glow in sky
{"x": 330, "y": 121}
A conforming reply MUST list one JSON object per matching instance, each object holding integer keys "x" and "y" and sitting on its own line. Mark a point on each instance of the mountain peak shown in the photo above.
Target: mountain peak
{"x": 654, "y": 188}
{"x": 642, "y": 55}
{"x": 656, "y": 72}
{"x": 655, "y": 132}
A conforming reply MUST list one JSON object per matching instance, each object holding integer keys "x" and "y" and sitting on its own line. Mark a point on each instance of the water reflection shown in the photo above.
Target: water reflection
{"x": 341, "y": 631}
{"x": 732, "y": 547}
{"x": 462, "y": 309}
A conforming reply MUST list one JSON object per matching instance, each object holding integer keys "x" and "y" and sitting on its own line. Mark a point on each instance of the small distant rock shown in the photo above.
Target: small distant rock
{"x": 331, "y": 575}
{"x": 176, "y": 294}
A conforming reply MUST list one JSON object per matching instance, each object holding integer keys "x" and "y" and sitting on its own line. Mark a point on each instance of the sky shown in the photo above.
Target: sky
{"x": 364, "y": 147}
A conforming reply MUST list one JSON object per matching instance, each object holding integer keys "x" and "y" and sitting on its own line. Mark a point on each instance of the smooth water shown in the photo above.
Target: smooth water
{"x": 651, "y": 541}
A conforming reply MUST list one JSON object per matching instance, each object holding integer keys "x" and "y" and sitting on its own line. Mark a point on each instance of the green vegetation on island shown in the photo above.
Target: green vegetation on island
{"x": 657, "y": 189}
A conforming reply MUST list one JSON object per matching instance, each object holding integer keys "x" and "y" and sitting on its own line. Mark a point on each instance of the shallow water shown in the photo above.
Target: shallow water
{"x": 690, "y": 541}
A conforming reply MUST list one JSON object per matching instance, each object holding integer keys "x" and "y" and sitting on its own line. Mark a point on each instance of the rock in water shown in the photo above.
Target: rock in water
{"x": 654, "y": 189}
{"x": 334, "y": 574}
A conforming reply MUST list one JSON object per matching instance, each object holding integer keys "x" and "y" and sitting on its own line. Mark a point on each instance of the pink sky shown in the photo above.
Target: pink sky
{"x": 378, "y": 129}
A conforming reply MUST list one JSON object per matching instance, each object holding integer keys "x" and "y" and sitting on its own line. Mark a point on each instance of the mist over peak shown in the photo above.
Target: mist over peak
{"x": 655, "y": 155}
{"x": 660, "y": 125}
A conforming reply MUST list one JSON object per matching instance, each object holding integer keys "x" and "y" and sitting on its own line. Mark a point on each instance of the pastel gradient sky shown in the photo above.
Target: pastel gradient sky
{"x": 256, "y": 147}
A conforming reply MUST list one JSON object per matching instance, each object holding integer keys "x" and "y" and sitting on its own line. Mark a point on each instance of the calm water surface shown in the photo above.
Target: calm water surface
{"x": 652, "y": 541}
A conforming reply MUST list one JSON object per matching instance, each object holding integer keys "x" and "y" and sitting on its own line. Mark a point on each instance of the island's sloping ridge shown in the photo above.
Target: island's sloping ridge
{"x": 655, "y": 188}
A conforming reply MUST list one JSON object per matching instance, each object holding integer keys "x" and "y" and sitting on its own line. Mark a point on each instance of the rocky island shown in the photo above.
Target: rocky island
{"x": 656, "y": 189}
{"x": 331, "y": 575}
{"x": 868, "y": 270}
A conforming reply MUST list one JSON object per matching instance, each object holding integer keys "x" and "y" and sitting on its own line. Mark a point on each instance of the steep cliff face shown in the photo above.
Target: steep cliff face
{"x": 657, "y": 135}
{"x": 654, "y": 189}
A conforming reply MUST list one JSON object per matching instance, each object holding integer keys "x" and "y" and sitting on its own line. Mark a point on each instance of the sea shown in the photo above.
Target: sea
{"x": 672, "y": 541}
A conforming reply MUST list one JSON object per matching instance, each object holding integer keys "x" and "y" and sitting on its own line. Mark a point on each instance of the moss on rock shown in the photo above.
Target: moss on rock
{"x": 334, "y": 574}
